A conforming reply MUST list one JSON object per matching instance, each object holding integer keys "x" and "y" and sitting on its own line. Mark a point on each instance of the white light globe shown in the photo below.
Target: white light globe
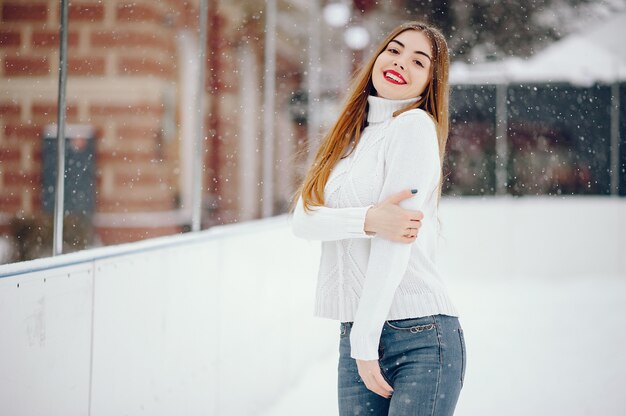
{"x": 336, "y": 14}
{"x": 356, "y": 37}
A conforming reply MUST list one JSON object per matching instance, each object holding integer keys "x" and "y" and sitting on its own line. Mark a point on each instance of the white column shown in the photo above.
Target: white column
{"x": 188, "y": 62}
{"x": 313, "y": 80}
{"x": 249, "y": 143}
{"x": 268, "y": 108}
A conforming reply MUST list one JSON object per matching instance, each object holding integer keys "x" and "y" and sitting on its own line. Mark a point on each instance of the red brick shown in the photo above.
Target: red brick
{"x": 22, "y": 131}
{"x": 14, "y": 11}
{"x": 37, "y": 152}
{"x": 110, "y": 236}
{"x": 138, "y": 13}
{"x": 51, "y": 39}
{"x": 119, "y": 110}
{"x": 10, "y": 155}
{"x": 98, "y": 130}
{"x": 89, "y": 12}
{"x": 49, "y": 110}
{"x": 126, "y": 157}
{"x": 9, "y": 109}
{"x": 14, "y": 178}
{"x": 226, "y": 86}
{"x": 10, "y": 39}
{"x": 109, "y": 39}
{"x": 143, "y": 66}
{"x": 144, "y": 179}
{"x": 10, "y": 203}
{"x": 85, "y": 66}
{"x": 35, "y": 197}
{"x": 30, "y": 66}
{"x": 131, "y": 132}
{"x": 122, "y": 204}
{"x": 189, "y": 15}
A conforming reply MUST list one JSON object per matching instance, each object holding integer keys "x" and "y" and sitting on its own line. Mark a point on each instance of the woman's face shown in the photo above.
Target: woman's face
{"x": 402, "y": 70}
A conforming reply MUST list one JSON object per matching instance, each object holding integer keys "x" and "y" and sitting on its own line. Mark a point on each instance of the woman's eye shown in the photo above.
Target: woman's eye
{"x": 393, "y": 50}
{"x": 419, "y": 63}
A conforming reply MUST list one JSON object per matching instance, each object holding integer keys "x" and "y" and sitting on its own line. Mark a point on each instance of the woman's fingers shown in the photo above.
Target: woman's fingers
{"x": 413, "y": 228}
{"x": 407, "y": 238}
{"x": 394, "y": 223}
{"x": 399, "y": 196}
{"x": 414, "y": 223}
{"x": 382, "y": 384}
{"x": 376, "y": 383}
{"x": 373, "y": 386}
{"x": 416, "y": 215}
{"x": 369, "y": 370}
{"x": 411, "y": 232}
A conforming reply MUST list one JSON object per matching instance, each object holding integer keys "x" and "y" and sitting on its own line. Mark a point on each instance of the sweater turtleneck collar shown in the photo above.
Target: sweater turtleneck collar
{"x": 381, "y": 109}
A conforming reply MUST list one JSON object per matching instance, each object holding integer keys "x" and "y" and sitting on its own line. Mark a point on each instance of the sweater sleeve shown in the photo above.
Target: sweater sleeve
{"x": 326, "y": 224}
{"x": 411, "y": 161}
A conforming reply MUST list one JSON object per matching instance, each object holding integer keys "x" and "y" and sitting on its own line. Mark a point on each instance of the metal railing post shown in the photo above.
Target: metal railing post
{"x": 615, "y": 139}
{"x": 57, "y": 243}
{"x": 198, "y": 162}
{"x": 268, "y": 109}
{"x": 313, "y": 80}
{"x": 502, "y": 147}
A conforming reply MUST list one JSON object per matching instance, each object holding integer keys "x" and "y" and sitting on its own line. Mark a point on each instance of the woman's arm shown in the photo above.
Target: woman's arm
{"x": 411, "y": 161}
{"x": 328, "y": 224}
{"x": 385, "y": 219}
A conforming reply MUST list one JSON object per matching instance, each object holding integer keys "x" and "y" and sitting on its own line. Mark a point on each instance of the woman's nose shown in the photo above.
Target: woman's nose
{"x": 398, "y": 64}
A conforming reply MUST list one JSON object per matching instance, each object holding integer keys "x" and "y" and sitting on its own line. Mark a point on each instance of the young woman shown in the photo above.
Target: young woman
{"x": 375, "y": 182}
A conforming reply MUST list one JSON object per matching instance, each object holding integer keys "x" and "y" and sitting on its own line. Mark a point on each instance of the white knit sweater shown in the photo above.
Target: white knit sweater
{"x": 367, "y": 279}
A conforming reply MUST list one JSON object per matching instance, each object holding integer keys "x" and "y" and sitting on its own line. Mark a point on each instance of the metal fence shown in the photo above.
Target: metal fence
{"x": 537, "y": 139}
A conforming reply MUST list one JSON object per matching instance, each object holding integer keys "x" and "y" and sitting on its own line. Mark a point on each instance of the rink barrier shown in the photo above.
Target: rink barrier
{"x": 220, "y": 321}
{"x": 185, "y": 324}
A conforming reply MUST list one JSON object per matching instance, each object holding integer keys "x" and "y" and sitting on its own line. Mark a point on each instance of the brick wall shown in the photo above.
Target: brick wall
{"x": 122, "y": 63}
{"x": 230, "y": 26}
{"x": 122, "y": 59}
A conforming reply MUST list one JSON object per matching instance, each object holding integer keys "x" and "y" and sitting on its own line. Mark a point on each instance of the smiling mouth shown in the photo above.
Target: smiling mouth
{"x": 394, "y": 77}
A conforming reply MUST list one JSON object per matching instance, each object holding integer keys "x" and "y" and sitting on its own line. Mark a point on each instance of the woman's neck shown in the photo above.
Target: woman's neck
{"x": 381, "y": 109}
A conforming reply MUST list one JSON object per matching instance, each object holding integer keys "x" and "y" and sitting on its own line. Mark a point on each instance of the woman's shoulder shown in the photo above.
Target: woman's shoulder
{"x": 410, "y": 121}
{"x": 414, "y": 115}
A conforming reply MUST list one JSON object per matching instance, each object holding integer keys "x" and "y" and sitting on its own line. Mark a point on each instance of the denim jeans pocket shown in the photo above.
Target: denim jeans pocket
{"x": 423, "y": 323}
{"x": 463, "y": 355}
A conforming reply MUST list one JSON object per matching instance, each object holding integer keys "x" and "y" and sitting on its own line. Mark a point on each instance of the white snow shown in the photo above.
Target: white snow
{"x": 595, "y": 55}
{"x": 535, "y": 346}
{"x": 540, "y": 284}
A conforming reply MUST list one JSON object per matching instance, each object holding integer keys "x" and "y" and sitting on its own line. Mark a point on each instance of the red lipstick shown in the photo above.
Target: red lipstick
{"x": 395, "y": 77}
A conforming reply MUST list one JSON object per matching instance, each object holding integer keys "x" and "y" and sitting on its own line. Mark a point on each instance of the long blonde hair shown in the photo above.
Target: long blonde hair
{"x": 434, "y": 100}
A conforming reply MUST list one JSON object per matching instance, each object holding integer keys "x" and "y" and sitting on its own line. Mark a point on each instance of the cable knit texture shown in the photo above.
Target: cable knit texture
{"x": 364, "y": 278}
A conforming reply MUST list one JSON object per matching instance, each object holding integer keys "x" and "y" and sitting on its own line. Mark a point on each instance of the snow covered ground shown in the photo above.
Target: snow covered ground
{"x": 535, "y": 346}
{"x": 540, "y": 284}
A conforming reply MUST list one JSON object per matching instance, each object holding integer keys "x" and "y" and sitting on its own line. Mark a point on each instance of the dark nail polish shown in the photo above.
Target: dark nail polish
{"x": 413, "y": 191}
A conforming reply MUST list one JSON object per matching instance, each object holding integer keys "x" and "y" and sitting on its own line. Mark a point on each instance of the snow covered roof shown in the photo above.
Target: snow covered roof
{"x": 596, "y": 55}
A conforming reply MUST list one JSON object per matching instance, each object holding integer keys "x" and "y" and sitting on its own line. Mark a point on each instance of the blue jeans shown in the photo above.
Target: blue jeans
{"x": 423, "y": 359}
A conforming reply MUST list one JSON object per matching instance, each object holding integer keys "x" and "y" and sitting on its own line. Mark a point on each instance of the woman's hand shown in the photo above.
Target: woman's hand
{"x": 369, "y": 370}
{"x": 393, "y": 223}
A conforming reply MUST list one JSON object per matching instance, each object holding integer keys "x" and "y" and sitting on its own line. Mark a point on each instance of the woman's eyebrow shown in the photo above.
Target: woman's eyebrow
{"x": 419, "y": 52}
